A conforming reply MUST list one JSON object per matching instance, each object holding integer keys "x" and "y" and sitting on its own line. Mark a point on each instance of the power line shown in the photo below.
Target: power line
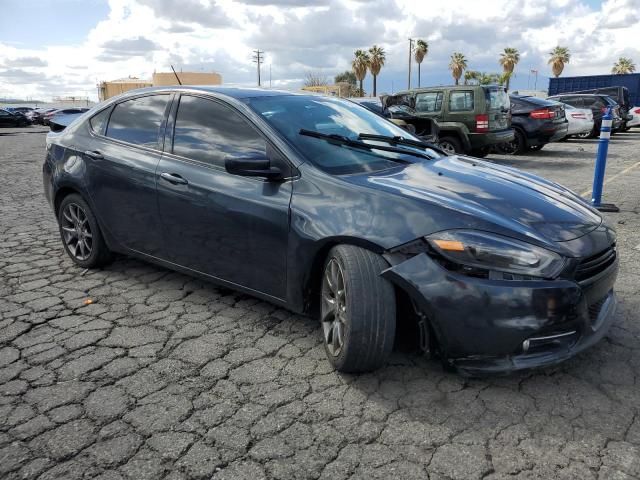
{"x": 258, "y": 57}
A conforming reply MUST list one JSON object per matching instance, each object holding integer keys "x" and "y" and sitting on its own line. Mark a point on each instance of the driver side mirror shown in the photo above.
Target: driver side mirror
{"x": 252, "y": 165}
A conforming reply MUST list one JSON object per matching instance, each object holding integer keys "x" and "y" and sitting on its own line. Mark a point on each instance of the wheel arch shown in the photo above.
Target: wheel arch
{"x": 461, "y": 133}
{"x": 313, "y": 279}
{"x": 61, "y": 194}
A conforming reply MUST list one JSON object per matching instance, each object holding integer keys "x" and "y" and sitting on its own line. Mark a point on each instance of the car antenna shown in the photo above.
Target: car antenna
{"x": 177, "y": 78}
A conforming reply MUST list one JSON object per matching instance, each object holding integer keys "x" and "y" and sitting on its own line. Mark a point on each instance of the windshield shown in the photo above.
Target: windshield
{"x": 288, "y": 114}
{"x": 497, "y": 99}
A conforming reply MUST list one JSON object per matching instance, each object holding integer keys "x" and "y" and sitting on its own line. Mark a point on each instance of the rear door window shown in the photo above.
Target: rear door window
{"x": 138, "y": 121}
{"x": 429, "y": 102}
{"x": 461, "y": 101}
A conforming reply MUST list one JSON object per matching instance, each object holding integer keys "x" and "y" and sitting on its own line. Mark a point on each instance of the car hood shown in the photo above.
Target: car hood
{"x": 500, "y": 195}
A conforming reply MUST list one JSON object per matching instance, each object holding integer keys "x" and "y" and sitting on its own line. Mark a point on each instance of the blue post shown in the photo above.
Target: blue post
{"x": 601, "y": 163}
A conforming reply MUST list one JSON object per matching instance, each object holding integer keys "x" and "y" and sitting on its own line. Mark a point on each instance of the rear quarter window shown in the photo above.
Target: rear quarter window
{"x": 461, "y": 101}
{"x": 99, "y": 121}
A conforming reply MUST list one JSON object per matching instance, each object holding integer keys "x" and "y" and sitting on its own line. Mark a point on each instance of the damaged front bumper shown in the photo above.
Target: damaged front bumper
{"x": 485, "y": 326}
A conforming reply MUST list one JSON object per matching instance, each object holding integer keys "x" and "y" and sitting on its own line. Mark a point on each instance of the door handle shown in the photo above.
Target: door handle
{"x": 173, "y": 178}
{"x": 96, "y": 155}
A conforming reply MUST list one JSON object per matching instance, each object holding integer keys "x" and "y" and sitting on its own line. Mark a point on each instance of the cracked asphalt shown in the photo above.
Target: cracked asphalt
{"x": 166, "y": 376}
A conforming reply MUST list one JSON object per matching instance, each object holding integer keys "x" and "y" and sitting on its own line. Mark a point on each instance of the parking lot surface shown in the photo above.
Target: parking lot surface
{"x": 137, "y": 372}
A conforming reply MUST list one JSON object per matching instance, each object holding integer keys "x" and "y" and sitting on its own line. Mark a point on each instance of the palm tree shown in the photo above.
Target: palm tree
{"x": 421, "y": 50}
{"x": 623, "y": 65}
{"x": 457, "y": 65}
{"x": 508, "y": 60}
{"x": 376, "y": 62}
{"x": 470, "y": 76}
{"x": 359, "y": 65}
{"x": 559, "y": 56}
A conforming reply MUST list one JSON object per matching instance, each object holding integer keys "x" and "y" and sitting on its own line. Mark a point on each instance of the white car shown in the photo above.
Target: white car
{"x": 635, "y": 121}
{"x": 580, "y": 120}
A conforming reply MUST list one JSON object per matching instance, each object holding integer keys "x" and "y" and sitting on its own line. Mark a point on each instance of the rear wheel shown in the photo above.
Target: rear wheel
{"x": 451, "y": 145}
{"x": 358, "y": 310}
{"x": 80, "y": 233}
{"x": 515, "y": 146}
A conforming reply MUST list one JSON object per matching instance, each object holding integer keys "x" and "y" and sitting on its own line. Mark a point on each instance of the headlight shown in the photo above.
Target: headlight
{"x": 494, "y": 252}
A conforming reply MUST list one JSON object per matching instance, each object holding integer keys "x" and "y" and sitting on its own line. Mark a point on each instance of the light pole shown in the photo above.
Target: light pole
{"x": 410, "y": 55}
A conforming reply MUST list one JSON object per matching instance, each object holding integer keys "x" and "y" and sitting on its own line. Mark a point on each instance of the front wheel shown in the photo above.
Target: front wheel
{"x": 358, "y": 310}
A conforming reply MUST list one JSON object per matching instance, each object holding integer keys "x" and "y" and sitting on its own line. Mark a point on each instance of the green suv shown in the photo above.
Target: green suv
{"x": 472, "y": 118}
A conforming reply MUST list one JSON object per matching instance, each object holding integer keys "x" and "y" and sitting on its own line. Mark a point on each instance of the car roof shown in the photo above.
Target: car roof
{"x": 446, "y": 87}
{"x": 578, "y": 94}
{"x": 233, "y": 92}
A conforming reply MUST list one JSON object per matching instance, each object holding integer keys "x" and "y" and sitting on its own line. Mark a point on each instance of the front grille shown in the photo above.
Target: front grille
{"x": 592, "y": 266}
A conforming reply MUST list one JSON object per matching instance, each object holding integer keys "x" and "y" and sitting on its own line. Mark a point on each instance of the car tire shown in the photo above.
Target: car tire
{"x": 80, "y": 233}
{"x": 451, "y": 145}
{"x": 537, "y": 148}
{"x": 480, "y": 152}
{"x": 515, "y": 147}
{"x": 358, "y": 321}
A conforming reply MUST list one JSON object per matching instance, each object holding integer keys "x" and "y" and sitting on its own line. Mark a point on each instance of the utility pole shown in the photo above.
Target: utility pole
{"x": 258, "y": 56}
{"x": 410, "y": 55}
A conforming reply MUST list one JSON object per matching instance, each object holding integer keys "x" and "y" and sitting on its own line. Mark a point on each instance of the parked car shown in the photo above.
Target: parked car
{"x": 9, "y": 119}
{"x": 634, "y": 120}
{"x": 472, "y": 118}
{"x": 60, "y": 121}
{"x": 46, "y": 118}
{"x": 598, "y": 105}
{"x": 22, "y": 110}
{"x": 325, "y": 208}
{"x": 403, "y": 116}
{"x": 609, "y": 85}
{"x": 536, "y": 122}
{"x": 580, "y": 120}
{"x": 37, "y": 115}
{"x": 629, "y": 82}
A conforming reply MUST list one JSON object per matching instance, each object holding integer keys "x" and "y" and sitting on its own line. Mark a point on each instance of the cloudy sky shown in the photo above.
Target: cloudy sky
{"x": 64, "y": 47}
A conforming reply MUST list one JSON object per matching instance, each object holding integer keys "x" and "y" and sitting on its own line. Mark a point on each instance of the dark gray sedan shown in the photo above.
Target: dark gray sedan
{"x": 323, "y": 207}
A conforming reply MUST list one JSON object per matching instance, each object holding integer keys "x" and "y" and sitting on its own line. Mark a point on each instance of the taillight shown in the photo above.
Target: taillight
{"x": 543, "y": 113}
{"x": 482, "y": 123}
{"x": 637, "y": 110}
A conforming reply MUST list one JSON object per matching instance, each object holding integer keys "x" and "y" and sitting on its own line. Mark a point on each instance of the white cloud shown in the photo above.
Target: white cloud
{"x": 140, "y": 36}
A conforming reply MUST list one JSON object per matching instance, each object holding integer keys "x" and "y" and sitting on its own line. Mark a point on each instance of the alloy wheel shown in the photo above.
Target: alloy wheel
{"x": 334, "y": 307}
{"x": 76, "y": 231}
{"x": 447, "y": 147}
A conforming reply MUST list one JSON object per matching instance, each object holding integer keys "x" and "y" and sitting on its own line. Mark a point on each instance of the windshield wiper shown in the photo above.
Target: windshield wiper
{"x": 398, "y": 140}
{"x": 342, "y": 140}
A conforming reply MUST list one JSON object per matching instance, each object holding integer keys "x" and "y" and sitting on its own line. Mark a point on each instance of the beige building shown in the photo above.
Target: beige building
{"x": 160, "y": 79}
{"x": 116, "y": 87}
